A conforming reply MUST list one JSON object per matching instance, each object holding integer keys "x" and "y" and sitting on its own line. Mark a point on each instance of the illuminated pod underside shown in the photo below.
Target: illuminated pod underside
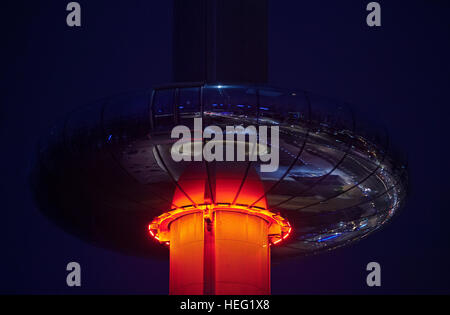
{"x": 219, "y": 245}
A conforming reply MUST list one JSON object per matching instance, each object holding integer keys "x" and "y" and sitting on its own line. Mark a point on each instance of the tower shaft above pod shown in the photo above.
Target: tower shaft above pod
{"x": 220, "y": 41}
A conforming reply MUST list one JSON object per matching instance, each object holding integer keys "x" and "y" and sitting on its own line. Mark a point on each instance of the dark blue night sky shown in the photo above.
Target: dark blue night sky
{"x": 399, "y": 73}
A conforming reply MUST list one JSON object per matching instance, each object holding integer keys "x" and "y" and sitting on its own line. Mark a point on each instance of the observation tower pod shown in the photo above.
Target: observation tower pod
{"x": 107, "y": 174}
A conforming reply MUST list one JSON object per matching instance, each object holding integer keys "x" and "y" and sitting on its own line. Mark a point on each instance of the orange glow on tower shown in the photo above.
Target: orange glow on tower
{"x": 220, "y": 234}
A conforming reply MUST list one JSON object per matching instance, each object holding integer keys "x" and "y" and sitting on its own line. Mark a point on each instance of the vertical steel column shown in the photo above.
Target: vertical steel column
{"x": 220, "y": 41}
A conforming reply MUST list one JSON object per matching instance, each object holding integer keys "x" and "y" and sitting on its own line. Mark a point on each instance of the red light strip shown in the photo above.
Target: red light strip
{"x": 160, "y": 224}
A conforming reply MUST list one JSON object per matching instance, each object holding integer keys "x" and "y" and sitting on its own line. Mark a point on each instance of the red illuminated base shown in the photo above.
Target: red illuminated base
{"x": 219, "y": 232}
{"x": 219, "y": 249}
